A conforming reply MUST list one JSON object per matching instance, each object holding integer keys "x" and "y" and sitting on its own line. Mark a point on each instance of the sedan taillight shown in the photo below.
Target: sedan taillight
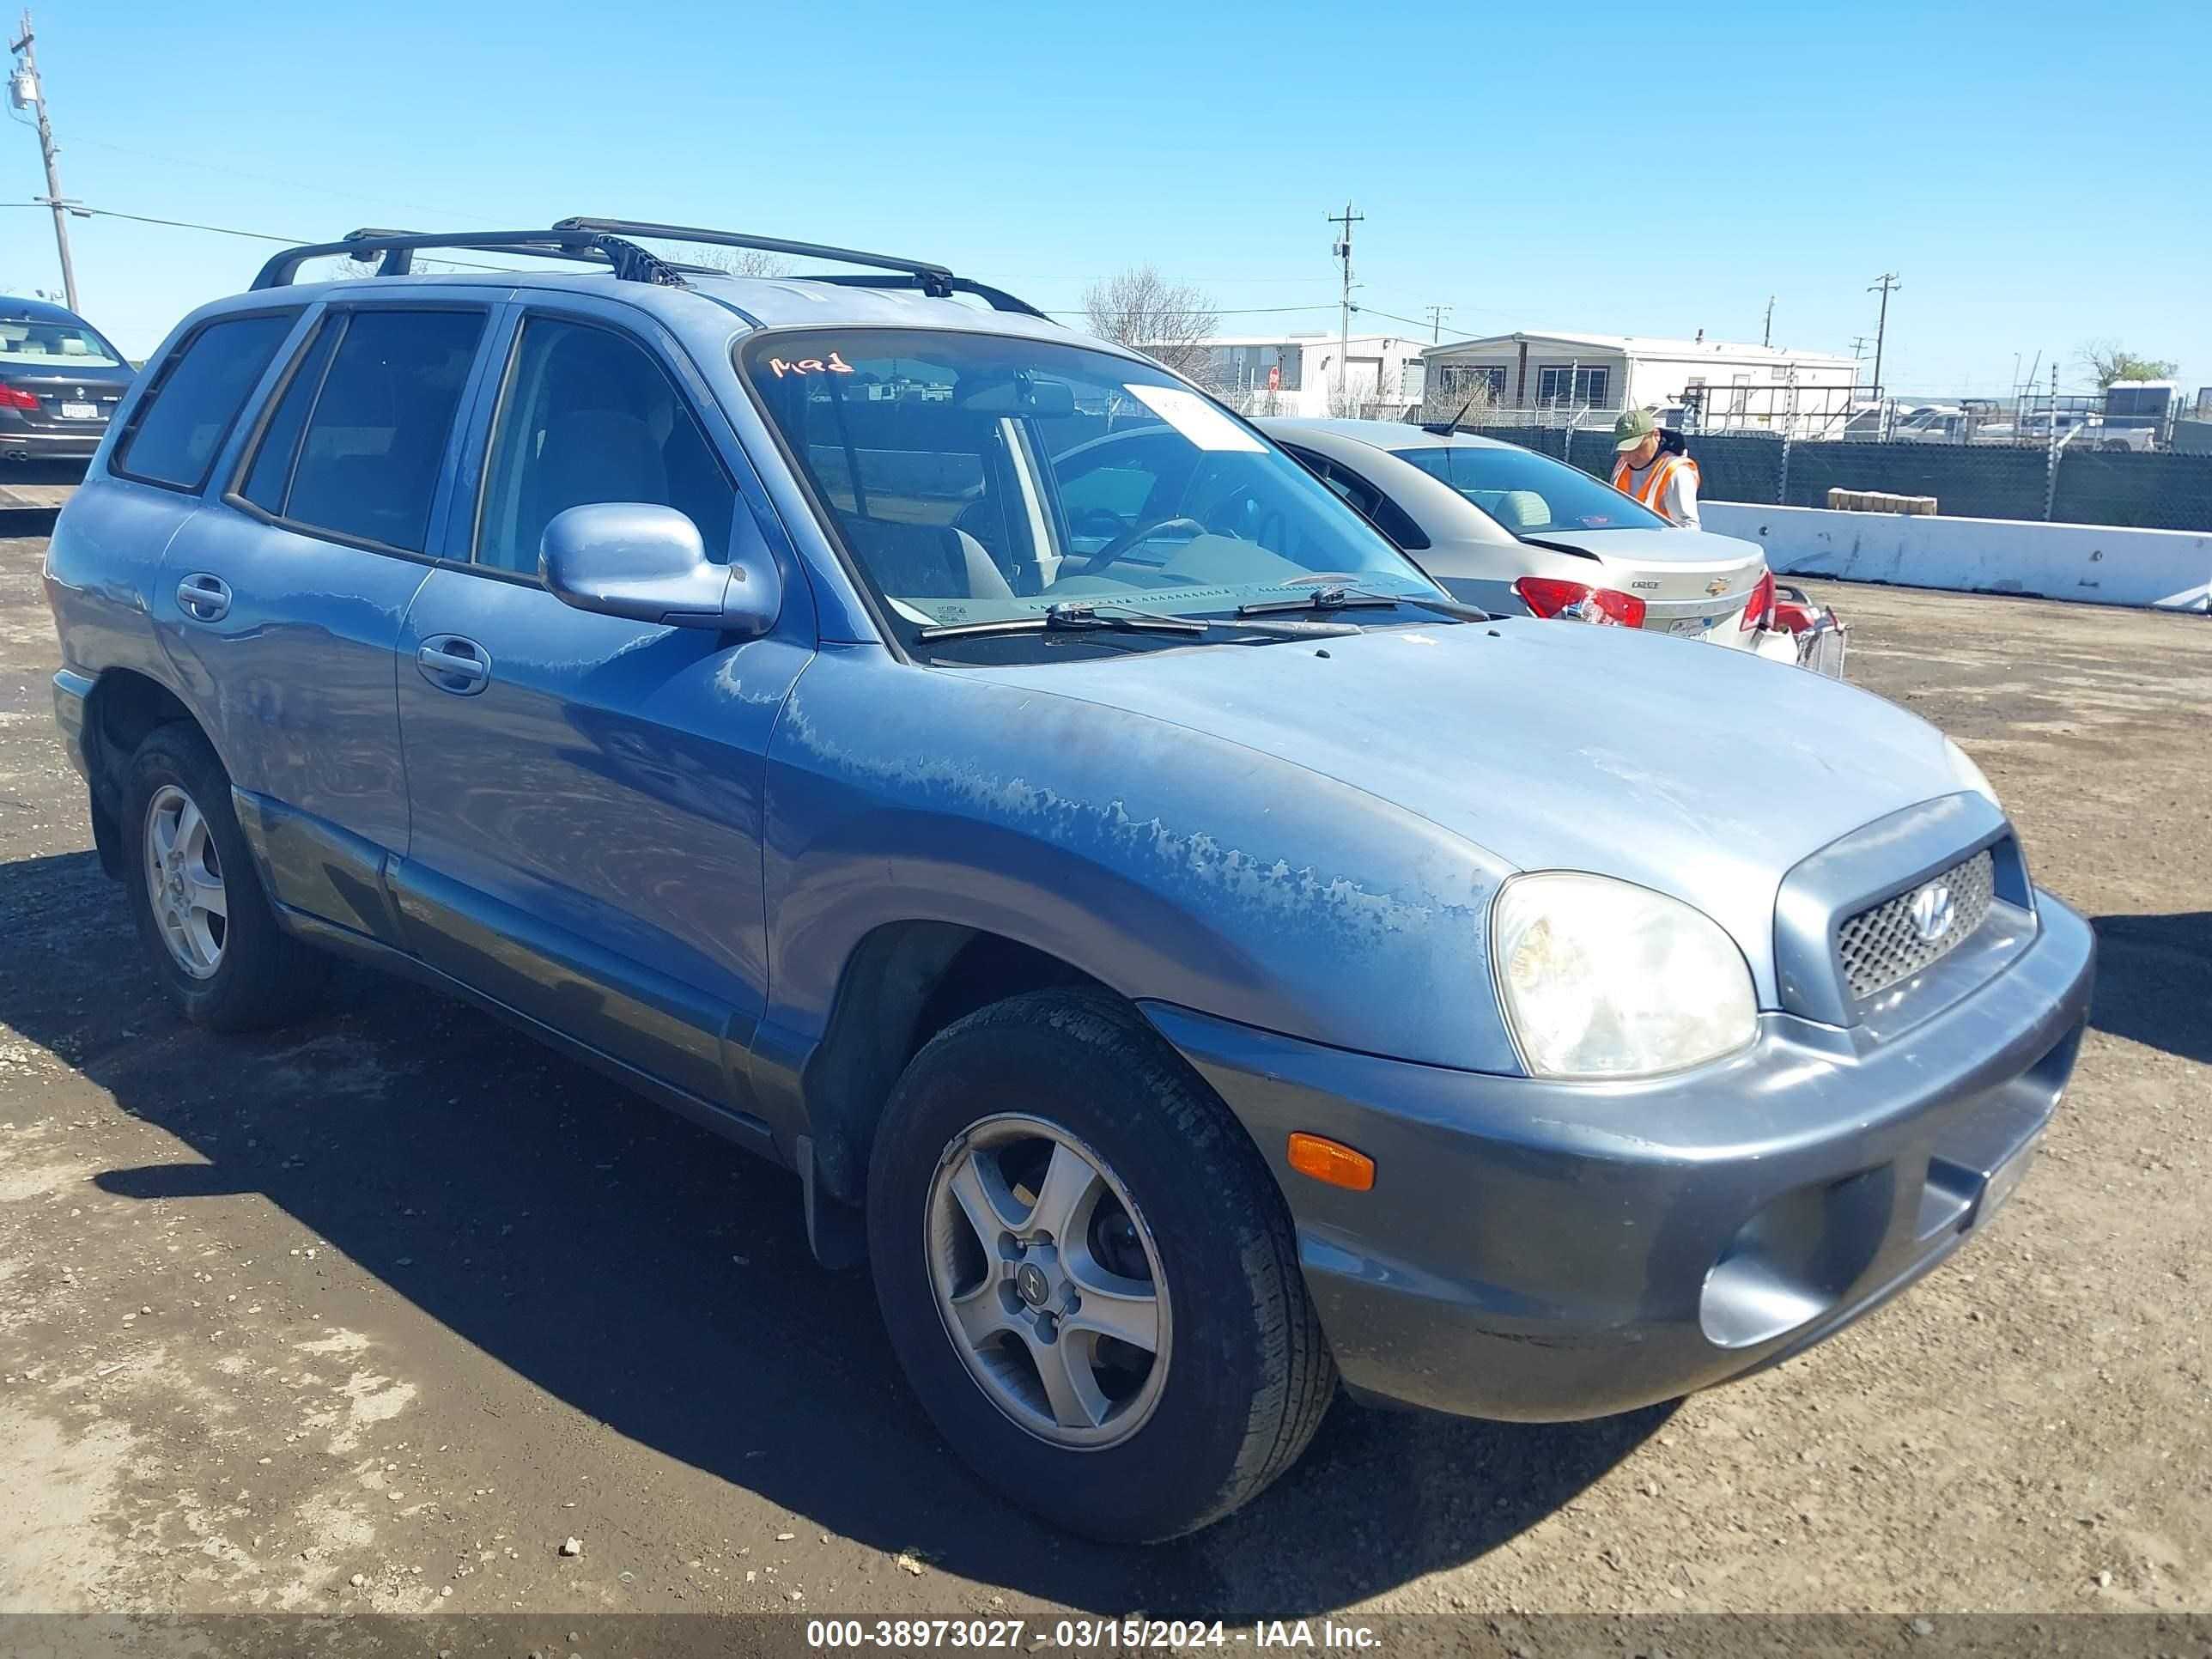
{"x": 16, "y": 397}
{"x": 1548, "y": 596}
{"x": 1758, "y": 611}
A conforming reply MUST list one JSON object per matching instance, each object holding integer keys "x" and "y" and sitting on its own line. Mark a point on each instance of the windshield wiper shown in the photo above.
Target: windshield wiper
{"x": 1074, "y": 617}
{"x": 1077, "y": 618}
{"x": 1340, "y": 597}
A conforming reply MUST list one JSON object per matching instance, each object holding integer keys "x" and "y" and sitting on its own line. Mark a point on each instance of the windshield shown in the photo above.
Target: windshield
{"x": 975, "y": 478}
{"x": 1529, "y": 493}
{"x": 33, "y": 343}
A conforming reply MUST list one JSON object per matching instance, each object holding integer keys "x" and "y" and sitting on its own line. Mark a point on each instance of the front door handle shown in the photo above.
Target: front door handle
{"x": 203, "y": 597}
{"x": 454, "y": 664}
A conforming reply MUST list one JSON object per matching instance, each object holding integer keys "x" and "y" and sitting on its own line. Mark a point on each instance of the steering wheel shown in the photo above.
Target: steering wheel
{"x": 1141, "y": 533}
{"x": 1098, "y": 522}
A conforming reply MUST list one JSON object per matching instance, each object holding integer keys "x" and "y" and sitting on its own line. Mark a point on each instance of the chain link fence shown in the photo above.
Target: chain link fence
{"x": 2073, "y": 483}
{"x": 2158, "y": 491}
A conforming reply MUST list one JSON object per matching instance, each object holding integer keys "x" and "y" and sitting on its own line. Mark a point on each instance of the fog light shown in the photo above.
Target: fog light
{"x": 1796, "y": 1260}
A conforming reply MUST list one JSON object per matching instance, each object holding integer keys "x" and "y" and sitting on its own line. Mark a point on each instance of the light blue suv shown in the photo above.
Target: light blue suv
{"x": 1191, "y": 957}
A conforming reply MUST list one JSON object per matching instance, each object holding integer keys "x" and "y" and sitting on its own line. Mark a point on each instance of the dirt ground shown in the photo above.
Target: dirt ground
{"x": 376, "y": 1313}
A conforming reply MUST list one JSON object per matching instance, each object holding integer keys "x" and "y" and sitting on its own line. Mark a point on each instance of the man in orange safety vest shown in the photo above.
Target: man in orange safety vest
{"x": 1663, "y": 478}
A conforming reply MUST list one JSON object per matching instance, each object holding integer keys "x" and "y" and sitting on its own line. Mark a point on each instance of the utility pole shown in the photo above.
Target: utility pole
{"x": 25, "y": 92}
{"x": 1884, "y": 285}
{"x": 1343, "y": 252}
{"x": 1436, "y": 315}
{"x": 1766, "y": 335}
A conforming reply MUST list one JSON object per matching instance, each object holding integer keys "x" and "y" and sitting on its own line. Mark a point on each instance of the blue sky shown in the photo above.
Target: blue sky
{"x": 1650, "y": 169}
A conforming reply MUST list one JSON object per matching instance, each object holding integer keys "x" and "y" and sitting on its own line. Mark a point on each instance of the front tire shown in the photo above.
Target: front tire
{"x": 213, "y": 939}
{"x": 1088, "y": 1272}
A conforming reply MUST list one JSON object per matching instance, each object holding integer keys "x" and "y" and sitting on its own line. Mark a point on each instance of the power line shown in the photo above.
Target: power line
{"x": 80, "y": 210}
{"x": 1417, "y": 322}
{"x": 223, "y": 171}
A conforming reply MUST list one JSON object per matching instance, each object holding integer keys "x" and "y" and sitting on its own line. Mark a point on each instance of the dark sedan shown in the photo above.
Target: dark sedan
{"x": 59, "y": 382}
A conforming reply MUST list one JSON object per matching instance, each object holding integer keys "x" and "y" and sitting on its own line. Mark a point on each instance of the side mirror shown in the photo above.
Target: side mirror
{"x": 646, "y": 562}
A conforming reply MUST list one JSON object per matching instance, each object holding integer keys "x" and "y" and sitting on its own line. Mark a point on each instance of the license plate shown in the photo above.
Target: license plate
{"x": 80, "y": 411}
{"x": 1688, "y": 628}
{"x": 2003, "y": 1180}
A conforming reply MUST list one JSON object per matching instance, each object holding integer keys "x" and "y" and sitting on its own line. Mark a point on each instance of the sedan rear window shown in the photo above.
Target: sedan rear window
{"x": 33, "y": 343}
{"x": 1530, "y": 494}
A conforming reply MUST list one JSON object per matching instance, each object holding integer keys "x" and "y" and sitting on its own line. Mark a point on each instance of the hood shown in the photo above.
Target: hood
{"x": 1704, "y": 774}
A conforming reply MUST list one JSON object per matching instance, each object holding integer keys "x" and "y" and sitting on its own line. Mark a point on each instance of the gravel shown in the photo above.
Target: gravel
{"x": 520, "y": 1266}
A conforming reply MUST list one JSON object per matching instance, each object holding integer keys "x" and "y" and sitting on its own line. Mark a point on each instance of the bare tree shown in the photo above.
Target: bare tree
{"x": 2109, "y": 362}
{"x": 1169, "y": 322}
{"x": 738, "y": 261}
{"x": 1451, "y": 393}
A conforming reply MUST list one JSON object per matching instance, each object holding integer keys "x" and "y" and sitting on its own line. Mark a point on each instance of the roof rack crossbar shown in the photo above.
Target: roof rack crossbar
{"x": 607, "y": 244}
{"x": 398, "y": 246}
{"x": 936, "y": 280}
{"x": 997, "y": 298}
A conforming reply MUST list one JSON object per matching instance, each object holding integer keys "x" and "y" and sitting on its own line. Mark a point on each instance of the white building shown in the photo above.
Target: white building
{"x": 1732, "y": 386}
{"x": 1297, "y": 373}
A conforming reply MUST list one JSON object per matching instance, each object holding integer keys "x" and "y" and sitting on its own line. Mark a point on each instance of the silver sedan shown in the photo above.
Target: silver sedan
{"x": 1517, "y": 532}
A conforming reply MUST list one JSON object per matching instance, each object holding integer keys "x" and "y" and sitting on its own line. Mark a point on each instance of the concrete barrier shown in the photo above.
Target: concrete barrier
{"x": 2097, "y": 564}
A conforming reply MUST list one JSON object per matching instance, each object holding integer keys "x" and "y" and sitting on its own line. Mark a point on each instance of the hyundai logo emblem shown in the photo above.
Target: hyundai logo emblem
{"x": 1933, "y": 912}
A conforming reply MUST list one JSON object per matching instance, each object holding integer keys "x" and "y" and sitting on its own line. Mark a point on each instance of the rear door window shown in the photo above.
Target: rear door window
{"x": 269, "y": 481}
{"x": 196, "y": 393}
{"x": 369, "y": 457}
{"x": 1385, "y": 515}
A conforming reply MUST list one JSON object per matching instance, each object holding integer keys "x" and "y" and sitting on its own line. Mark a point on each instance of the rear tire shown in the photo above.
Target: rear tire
{"x": 1180, "y": 1240}
{"x": 208, "y": 927}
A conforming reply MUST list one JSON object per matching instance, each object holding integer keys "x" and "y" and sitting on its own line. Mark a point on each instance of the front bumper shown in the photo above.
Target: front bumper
{"x": 1546, "y": 1251}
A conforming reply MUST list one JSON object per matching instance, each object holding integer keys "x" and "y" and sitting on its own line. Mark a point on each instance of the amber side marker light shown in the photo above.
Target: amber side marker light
{"x": 1331, "y": 1161}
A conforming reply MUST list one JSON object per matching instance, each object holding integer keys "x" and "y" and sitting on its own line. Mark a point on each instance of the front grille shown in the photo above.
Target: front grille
{"x": 1892, "y": 940}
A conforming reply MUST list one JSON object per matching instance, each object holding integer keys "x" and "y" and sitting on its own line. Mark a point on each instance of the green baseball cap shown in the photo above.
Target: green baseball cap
{"x": 1633, "y": 427}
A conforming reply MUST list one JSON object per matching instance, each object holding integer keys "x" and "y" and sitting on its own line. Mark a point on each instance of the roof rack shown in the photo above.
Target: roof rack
{"x": 606, "y": 243}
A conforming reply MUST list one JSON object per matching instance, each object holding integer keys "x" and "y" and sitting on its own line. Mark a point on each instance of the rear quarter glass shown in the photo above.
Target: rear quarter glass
{"x": 196, "y": 393}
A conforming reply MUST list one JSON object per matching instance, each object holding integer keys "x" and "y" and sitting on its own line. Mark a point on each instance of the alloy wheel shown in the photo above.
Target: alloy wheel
{"x": 184, "y": 882}
{"x": 1048, "y": 1282}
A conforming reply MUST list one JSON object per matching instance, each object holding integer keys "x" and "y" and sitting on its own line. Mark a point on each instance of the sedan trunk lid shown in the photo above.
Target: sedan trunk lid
{"x": 1690, "y": 581}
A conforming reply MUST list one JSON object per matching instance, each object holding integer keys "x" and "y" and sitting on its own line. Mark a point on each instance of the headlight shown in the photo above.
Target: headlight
{"x": 1603, "y": 979}
{"x": 1968, "y": 775}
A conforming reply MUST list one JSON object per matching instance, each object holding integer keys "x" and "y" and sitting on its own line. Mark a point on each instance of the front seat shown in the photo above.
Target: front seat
{"x": 592, "y": 455}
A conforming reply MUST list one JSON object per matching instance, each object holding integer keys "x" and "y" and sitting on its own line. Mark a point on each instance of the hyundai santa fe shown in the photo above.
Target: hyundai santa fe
{"x": 1191, "y": 958}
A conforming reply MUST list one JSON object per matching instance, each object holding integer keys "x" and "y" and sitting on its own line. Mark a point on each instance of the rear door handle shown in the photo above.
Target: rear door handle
{"x": 203, "y": 597}
{"x": 454, "y": 664}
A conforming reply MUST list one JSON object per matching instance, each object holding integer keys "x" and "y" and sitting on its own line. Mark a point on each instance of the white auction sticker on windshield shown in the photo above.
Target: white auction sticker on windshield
{"x": 1195, "y": 418}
